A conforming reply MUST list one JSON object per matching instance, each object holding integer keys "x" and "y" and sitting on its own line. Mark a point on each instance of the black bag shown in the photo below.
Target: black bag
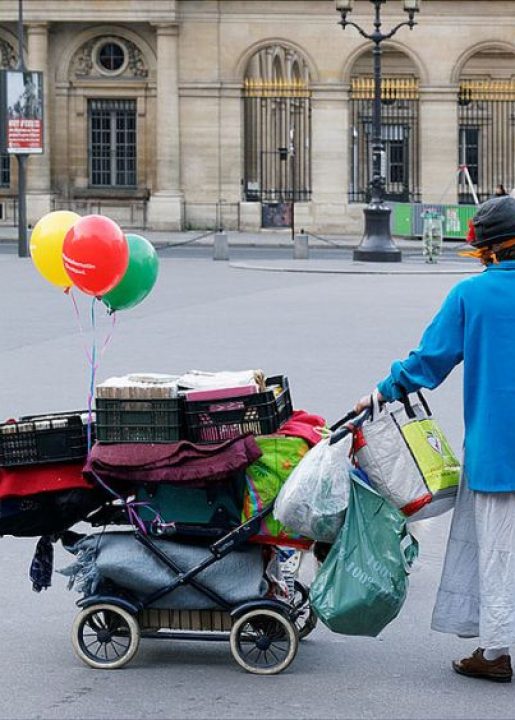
{"x": 47, "y": 513}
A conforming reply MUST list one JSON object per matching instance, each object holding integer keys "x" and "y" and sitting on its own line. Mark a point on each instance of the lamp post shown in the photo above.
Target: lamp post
{"x": 377, "y": 244}
{"x": 23, "y": 243}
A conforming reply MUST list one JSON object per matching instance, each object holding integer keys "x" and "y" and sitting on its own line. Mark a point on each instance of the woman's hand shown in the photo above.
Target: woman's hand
{"x": 366, "y": 401}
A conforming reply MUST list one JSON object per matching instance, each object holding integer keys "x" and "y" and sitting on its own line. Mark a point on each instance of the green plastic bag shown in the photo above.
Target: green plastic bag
{"x": 362, "y": 584}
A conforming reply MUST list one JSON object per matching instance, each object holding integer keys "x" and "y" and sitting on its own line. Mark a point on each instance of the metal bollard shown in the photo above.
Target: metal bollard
{"x": 301, "y": 247}
{"x": 220, "y": 246}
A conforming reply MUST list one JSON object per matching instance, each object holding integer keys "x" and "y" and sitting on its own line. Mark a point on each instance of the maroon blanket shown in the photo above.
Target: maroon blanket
{"x": 181, "y": 463}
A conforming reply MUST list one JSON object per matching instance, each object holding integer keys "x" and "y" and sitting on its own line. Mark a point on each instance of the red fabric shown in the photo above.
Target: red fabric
{"x": 181, "y": 463}
{"x": 471, "y": 235}
{"x": 412, "y": 507}
{"x": 358, "y": 440}
{"x": 31, "y": 479}
{"x": 302, "y": 424}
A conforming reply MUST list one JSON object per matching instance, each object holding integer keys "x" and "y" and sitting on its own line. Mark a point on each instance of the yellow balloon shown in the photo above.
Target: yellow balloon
{"x": 46, "y": 246}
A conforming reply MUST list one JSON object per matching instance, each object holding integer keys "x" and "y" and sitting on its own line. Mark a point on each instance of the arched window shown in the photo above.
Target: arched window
{"x": 277, "y": 117}
{"x": 400, "y": 128}
{"x": 486, "y": 115}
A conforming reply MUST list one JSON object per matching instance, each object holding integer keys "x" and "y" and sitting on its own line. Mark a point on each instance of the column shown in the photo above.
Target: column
{"x": 165, "y": 206}
{"x": 39, "y": 190}
{"x": 439, "y": 144}
{"x": 330, "y": 162}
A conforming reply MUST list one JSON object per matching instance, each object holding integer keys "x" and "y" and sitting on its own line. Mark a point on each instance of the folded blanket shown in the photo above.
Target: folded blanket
{"x": 121, "y": 559}
{"x": 181, "y": 463}
{"x": 31, "y": 479}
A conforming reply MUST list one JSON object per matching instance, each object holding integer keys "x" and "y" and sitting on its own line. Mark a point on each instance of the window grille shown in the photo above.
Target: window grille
{"x": 111, "y": 56}
{"x": 399, "y": 133}
{"x": 486, "y": 111}
{"x": 5, "y": 170}
{"x": 112, "y": 143}
{"x": 277, "y": 118}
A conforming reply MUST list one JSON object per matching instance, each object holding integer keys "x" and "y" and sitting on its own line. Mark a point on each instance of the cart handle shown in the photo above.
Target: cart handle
{"x": 350, "y": 416}
{"x": 340, "y": 429}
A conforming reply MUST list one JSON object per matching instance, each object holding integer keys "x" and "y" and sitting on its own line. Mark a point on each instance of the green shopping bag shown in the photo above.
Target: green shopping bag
{"x": 362, "y": 584}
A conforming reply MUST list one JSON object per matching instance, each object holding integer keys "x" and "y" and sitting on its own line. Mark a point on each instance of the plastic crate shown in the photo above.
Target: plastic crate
{"x": 39, "y": 439}
{"x": 214, "y": 421}
{"x": 138, "y": 421}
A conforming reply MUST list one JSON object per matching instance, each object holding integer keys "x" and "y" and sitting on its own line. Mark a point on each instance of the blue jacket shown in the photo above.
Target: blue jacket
{"x": 476, "y": 325}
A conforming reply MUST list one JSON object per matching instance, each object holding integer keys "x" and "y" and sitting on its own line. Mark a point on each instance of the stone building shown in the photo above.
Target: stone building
{"x": 168, "y": 113}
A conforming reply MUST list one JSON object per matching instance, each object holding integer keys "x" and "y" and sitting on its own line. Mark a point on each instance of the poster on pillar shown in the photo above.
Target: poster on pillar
{"x": 21, "y": 111}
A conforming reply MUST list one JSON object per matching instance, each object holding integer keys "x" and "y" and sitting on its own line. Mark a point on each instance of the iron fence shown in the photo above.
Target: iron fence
{"x": 486, "y": 112}
{"x": 277, "y": 127}
{"x": 400, "y": 136}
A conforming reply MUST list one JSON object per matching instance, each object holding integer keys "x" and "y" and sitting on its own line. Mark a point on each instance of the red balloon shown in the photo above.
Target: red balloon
{"x": 95, "y": 254}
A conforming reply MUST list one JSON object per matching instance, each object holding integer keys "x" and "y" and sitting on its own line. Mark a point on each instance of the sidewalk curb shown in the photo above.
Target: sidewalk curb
{"x": 357, "y": 269}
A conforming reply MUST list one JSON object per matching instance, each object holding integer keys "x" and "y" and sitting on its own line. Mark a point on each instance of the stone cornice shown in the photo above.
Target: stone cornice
{"x": 36, "y": 11}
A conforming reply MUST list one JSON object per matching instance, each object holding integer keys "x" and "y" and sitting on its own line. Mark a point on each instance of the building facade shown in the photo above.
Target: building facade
{"x": 190, "y": 113}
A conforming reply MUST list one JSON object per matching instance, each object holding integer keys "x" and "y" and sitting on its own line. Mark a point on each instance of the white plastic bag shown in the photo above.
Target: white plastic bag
{"x": 313, "y": 500}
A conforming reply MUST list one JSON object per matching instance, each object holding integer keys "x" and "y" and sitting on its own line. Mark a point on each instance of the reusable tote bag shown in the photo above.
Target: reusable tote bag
{"x": 362, "y": 584}
{"x": 407, "y": 458}
{"x": 264, "y": 480}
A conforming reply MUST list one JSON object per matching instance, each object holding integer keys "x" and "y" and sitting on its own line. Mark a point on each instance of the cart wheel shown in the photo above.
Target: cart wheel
{"x": 264, "y": 642}
{"x": 306, "y": 620}
{"x": 105, "y": 636}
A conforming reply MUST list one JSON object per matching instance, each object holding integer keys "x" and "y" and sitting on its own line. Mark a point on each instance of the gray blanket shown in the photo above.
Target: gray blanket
{"x": 120, "y": 558}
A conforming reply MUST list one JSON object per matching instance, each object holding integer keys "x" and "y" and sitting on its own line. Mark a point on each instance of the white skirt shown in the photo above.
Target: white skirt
{"x": 476, "y": 597}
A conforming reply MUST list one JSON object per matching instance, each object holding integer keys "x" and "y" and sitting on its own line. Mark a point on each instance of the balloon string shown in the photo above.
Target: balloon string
{"x": 130, "y": 506}
{"x": 79, "y": 322}
{"x": 93, "y": 355}
{"x": 93, "y": 373}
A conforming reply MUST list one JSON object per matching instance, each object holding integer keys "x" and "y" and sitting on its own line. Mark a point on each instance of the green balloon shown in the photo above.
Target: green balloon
{"x": 140, "y": 276}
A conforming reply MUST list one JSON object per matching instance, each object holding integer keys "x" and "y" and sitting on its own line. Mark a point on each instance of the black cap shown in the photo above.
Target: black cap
{"x": 494, "y": 221}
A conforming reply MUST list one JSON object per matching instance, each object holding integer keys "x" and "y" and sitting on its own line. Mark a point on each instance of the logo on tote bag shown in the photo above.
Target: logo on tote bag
{"x": 435, "y": 442}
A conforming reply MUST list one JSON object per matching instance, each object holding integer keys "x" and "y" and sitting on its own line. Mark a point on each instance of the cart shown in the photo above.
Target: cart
{"x": 263, "y": 632}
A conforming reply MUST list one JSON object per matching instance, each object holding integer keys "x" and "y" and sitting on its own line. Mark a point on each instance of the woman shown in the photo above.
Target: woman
{"x": 476, "y": 326}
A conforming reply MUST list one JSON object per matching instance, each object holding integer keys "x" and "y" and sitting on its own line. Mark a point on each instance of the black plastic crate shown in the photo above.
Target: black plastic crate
{"x": 213, "y": 421}
{"x": 138, "y": 421}
{"x": 39, "y": 439}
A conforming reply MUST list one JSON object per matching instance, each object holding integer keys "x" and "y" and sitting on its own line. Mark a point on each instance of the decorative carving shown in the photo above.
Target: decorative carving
{"x": 8, "y": 55}
{"x": 84, "y": 63}
{"x": 83, "y": 60}
{"x": 136, "y": 61}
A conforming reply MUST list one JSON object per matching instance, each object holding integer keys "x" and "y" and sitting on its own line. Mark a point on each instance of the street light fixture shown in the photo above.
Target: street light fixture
{"x": 377, "y": 244}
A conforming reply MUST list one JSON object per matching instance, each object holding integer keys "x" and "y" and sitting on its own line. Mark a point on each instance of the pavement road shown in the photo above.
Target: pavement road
{"x": 334, "y": 336}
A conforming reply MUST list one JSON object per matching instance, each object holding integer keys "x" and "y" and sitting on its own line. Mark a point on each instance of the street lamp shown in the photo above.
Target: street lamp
{"x": 377, "y": 244}
{"x": 23, "y": 243}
